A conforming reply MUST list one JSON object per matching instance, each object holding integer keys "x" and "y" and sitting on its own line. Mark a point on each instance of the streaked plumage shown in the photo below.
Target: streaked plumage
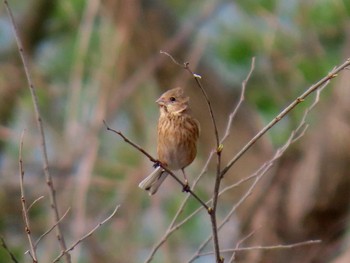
{"x": 178, "y": 133}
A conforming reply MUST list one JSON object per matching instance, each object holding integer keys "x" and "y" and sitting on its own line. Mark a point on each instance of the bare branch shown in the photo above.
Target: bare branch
{"x": 49, "y": 182}
{"x": 34, "y": 202}
{"x": 50, "y": 229}
{"x": 232, "y": 259}
{"x": 3, "y": 244}
{"x": 241, "y": 99}
{"x": 87, "y": 235}
{"x": 321, "y": 83}
{"x": 23, "y": 203}
{"x": 275, "y": 247}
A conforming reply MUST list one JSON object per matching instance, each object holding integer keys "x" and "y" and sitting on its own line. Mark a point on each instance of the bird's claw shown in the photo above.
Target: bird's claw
{"x": 186, "y": 188}
{"x": 156, "y": 164}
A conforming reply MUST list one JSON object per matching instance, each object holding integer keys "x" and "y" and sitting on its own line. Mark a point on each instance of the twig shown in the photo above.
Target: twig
{"x": 50, "y": 229}
{"x": 23, "y": 203}
{"x": 34, "y": 202}
{"x": 87, "y": 235}
{"x": 3, "y": 244}
{"x": 275, "y": 247}
{"x": 233, "y": 257}
{"x": 49, "y": 182}
{"x": 241, "y": 99}
{"x": 284, "y": 112}
{"x": 152, "y": 159}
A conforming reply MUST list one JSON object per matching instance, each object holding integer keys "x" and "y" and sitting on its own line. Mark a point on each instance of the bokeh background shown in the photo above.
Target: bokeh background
{"x": 95, "y": 60}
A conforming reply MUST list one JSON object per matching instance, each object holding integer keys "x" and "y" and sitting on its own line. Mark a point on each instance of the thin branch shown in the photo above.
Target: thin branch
{"x": 3, "y": 244}
{"x": 23, "y": 203}
{"x": 87, "y": 235}
{"x": 49, "y": 182}
{"x": 34, "y": 202}
{"x": 275, "y": 247}
{"x": 233, "y": 257}
{"x": 152, "y": 159}
{"x": 50, "y": 229}
{"x": 284, "y": 112}
{"x": 241, "y": 99}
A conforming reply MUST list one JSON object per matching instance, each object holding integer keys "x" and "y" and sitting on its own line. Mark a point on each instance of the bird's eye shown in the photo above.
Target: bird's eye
{"x": 172, "y": 99}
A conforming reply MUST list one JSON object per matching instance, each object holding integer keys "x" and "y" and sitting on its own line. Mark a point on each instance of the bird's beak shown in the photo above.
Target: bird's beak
{"x": 160, "y": 101}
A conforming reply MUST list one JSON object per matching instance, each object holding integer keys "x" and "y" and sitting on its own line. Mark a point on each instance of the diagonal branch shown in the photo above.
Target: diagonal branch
{"x": 284, "y": 112}
{"x": 152, "y": 159}
{"x": 87, "y": 235}
{"x": 3, "y": 244}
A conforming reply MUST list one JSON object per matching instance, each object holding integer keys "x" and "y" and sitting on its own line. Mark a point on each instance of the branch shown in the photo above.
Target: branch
{"x": 275, "y": 247}
{"x": 34, "y": 202}
{"x": 3, "y": 244}
{"x": 49, "y": 182}
{"x": 233, "y": 257}
{"x": 23, "y": 203}
{"x": 152, "y": 159}
{"x": 294, "y": 136}
{"x": 212, "y": 211}
{"x": 241, "y": 99}
{"x": 87, "y": 235}
{"x": 283, "y": 113}
{"x": 50, "y": 229}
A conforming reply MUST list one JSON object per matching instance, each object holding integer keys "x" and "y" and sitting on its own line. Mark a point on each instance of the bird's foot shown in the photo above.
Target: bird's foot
{"x": 186, "y": 188}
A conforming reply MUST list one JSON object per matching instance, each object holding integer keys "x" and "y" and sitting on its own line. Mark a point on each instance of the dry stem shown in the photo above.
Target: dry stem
{"x": 86, "y": 235}
{"x": 23, "y": 203}
{"x": 284, "y": 112}
{"x": 48, "y": 178}
{"x": 12, "y": 256}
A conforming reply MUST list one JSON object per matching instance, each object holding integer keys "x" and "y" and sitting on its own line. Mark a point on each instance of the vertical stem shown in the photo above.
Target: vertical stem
{"x": 48, "y": 178}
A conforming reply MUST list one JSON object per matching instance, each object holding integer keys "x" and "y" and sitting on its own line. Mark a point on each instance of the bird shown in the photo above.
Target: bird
{"x": 178, "y": 133}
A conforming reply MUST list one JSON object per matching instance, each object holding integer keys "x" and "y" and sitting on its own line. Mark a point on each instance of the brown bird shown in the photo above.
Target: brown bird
{"x": 178, "y": 133}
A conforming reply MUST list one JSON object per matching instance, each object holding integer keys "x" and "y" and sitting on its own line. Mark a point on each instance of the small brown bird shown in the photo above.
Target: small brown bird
{"x": 178, "y": 133}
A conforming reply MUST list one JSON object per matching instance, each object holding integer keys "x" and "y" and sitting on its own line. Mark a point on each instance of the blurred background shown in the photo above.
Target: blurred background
{"x": 97, "y": 60}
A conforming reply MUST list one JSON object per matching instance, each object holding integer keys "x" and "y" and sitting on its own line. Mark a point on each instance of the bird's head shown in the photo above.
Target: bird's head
{"x": 173, "y": 101}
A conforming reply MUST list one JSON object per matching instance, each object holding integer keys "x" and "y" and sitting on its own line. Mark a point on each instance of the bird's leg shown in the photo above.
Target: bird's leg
{"x": 186, "y": 186}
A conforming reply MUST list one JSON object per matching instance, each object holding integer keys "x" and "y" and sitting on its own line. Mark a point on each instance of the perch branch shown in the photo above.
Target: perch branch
{"x": 152, "y": 159}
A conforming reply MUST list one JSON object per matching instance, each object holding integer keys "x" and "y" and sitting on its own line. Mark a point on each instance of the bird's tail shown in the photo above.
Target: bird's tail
{"x": 152, "y": 182}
